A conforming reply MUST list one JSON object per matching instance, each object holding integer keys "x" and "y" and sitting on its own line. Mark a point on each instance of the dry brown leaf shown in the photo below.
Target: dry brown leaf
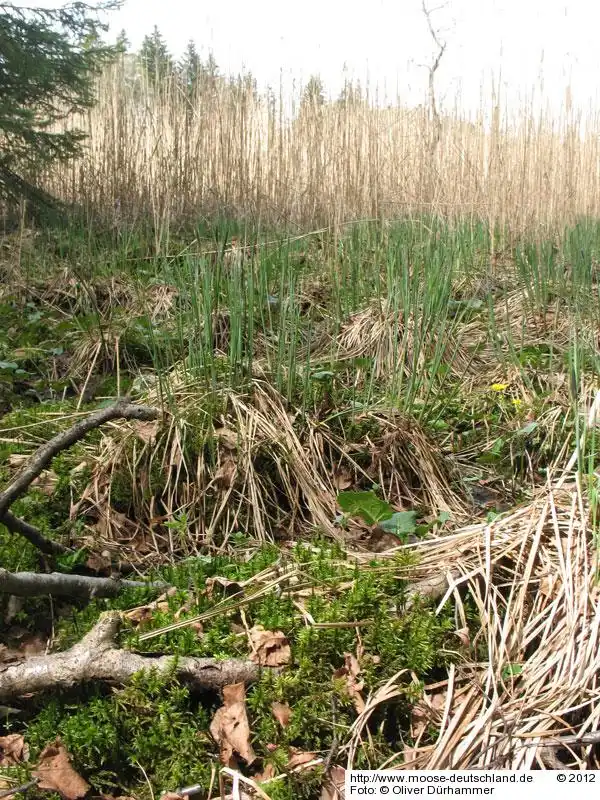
{"x": 464, "y": 636}
{"x": 145, "y": 613}
{"x": 98, "y": 563}
{"x": 436, "y": 701}
{"x": 333, "y": 784}
{"x": 146, "y": 430}
{"x": 350, "y": 671}
{"x": 426, "y": 711}
{"x": 266, "y": 775}
{"x": 46, "y": 482}
{"x": 298, "y": 758}
{"x": 231, "y": 586}
{"x": 229, "y": 727}
{"x": 13, "y": 750}
{"x": 270, "y": 648}
{"x": 54, "y": 771}
{"x": 225, "y": 475}
{"x": 419, "y": 719}
{"x": 342, "y": 479}
{"x": 227, "y": 437}
{"x": 185, "y": 609}
{"x": 282, "y": 713}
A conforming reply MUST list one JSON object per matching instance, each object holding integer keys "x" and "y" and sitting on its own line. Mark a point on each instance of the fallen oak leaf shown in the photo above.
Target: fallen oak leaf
{"x": 229, "y": 727}
{"x": 298, "y": 758}
{"x": 282, "y": 713}
{"x": 269, "y": 648}
{"x": 54, "y": 771}
{"x": 13, "y": 750}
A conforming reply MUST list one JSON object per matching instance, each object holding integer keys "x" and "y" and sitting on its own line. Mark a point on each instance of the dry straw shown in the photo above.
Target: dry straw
{"x": 230, "y": 150}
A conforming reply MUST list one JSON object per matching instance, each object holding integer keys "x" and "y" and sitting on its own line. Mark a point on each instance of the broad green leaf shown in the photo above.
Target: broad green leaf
{"x": 365, "y": 505}
{"x": 401, "y": 523}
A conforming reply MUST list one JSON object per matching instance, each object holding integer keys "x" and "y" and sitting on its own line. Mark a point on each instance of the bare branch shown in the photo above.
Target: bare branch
{"x": 29, "y": 532}
{"x": 41, "y": 459}
{"x": 57, "y": 584}
{"x": 96, "y": 658}
{"x": 441, "y": 48}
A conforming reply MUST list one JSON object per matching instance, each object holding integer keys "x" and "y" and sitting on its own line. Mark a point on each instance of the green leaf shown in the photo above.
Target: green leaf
{"x": 8, "y": 365}
{"x": 365, "y": 505}
{"x": 512, "y": 670}
{"x": 528, "y": 429}
{"x": 498, "y": 447}
{"x": 401, "y": 523}
{"x": 322, "y": 375}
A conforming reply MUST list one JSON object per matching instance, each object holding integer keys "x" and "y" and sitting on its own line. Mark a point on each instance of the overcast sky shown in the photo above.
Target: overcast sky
{"x": 516, "y": 41}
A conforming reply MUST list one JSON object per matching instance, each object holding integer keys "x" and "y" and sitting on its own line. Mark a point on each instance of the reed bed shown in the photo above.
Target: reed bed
{"x": 227, "y": 149}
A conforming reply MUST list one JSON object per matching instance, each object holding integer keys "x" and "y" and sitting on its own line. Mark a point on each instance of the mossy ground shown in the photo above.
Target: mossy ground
{"x": 73, "y": 336}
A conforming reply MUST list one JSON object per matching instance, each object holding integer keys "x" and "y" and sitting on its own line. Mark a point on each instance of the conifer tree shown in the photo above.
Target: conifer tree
{"x": 49, "y": 59}
{"x": 155, "y": 57}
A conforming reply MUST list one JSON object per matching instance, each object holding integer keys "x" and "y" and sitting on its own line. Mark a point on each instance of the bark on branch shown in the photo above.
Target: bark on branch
{"x": 41, "y": 459}
{"x": 95, "y": 658}
{"x": 57, "y": 584}
{"x": 31, "y": 533}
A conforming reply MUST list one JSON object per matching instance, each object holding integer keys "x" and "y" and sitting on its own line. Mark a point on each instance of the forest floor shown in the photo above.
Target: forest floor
{"x": 372, "y": 474}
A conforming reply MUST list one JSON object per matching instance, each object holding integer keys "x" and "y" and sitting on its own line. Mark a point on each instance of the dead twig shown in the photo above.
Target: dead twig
{"x": 40, "y": 460}
{"x": 58, "y": 584}
{"x": 95, "y": 658}
{"x": 33, "y": 536}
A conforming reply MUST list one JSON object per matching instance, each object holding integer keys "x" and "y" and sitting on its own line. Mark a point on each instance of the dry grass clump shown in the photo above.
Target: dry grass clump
{"x": 529, "y": 695}
{"x": 394, "y": 344}
{"x": 248, "y": 462}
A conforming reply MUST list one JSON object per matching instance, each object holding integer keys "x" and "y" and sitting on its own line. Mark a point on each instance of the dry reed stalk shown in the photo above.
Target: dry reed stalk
{"x": 532, "y": 576}
{"x": 230, "y": 150}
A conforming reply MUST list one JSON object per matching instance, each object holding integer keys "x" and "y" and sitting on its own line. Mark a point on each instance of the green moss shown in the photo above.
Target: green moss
{"x": 157, "y": 724}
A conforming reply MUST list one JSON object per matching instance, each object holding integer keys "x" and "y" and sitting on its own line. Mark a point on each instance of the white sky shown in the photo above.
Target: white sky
{"x": 276, "y": 40}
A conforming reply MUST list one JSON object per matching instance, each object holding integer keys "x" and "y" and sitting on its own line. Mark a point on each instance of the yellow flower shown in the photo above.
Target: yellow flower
{"x": 499, "y": 387}
{"x": 517, "y": 402}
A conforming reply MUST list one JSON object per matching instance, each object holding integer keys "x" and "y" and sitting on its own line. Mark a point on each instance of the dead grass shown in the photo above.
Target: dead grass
{"x": 249, "y": 462}
{"x": 533, "y": 579}
{"x": 231, "y": 152}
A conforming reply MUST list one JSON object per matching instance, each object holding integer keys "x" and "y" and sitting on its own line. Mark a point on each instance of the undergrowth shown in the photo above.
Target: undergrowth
{"x": 158, "y": 724}
{"x": 443, "y": 368}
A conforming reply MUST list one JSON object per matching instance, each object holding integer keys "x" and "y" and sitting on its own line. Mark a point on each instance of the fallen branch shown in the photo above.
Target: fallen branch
{"x": 95, "y": 658}
{"x": 35, "y": 537}
{"x": 57, "y": 584}
{"x": 41, "y": 459}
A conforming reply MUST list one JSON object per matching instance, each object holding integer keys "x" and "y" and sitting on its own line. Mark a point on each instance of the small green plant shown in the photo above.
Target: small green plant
{"x": 372, "y": 510}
